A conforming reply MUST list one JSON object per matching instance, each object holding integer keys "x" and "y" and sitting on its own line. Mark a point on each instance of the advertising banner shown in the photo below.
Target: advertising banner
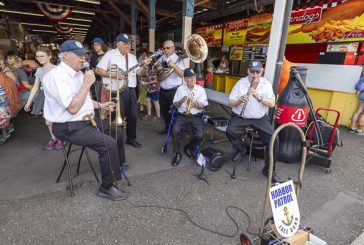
{"x": 211, "y": 34}
{"x": 235, "y": 32}
{"x": 236, "y": 53}
{"x": 329, "y": 21}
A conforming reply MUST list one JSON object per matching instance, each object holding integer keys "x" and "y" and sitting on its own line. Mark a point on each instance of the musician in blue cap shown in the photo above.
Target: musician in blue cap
{"x": 100, "y": 48}
{"x": 69, "y": 107}
{"x": 190, "y": 100}
{"x": 124, "y": 60}
{"x": 250, "y": 99}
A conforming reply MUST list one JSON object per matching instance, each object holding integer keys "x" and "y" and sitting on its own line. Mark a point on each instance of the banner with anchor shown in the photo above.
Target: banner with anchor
{"x": 285, "y": 209}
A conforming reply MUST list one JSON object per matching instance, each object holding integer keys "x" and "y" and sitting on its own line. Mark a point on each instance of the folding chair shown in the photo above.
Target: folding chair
{"x": 67, "y": 163}
{"x": 173, "y": 115}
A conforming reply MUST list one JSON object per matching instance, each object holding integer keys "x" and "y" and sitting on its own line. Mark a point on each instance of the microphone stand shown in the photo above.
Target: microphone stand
{"x": 202, "y": 175}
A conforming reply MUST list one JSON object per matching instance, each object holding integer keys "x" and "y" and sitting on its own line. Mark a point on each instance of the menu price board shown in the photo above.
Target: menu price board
{"x": 255, "y": 53}
{"x": 236, "y": 53}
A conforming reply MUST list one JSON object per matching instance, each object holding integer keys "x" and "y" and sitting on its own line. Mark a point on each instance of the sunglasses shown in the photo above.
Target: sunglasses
{"x": 255, "y": 71}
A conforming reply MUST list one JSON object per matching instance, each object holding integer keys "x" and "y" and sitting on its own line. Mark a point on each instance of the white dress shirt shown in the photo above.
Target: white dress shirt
{"x": 199, "y": 96}
{"x": 114, "y": 56}
{"x": 61, "y": 84}
{"x": 173, "y": 80}
{"x": 254, "y": 109}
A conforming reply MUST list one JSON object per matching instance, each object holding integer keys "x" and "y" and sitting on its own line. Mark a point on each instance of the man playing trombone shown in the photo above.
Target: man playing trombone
{"x": 190, "y": 99}
{"x": 250, "y": 99}
{"x": 69, "y": 107}
{"x": 123, "y": 59}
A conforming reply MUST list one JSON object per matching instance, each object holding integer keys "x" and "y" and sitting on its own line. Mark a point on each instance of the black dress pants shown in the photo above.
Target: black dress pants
{"x": 192, "y": 123}
{"x": 237, "y": 125}
{"x": 129, "y": 108}
{"x": 166, "y": 100}
{"x": 111, "y": 153}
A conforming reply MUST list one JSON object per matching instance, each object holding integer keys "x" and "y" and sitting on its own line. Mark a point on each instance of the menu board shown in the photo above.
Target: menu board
{"x": 327, "y": 23}
{"x": 211, "y": 34}
{"x": 255, "y": 53}
{"x": 343, "y": 47}
{"x": 236, "y": 53}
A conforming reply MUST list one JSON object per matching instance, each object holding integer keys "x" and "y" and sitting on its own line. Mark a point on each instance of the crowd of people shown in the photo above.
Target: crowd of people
{"x": 70, "y": 96}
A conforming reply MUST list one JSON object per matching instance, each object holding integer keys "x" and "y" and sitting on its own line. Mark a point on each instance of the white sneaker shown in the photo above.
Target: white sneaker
{"x": 359, "y": 132}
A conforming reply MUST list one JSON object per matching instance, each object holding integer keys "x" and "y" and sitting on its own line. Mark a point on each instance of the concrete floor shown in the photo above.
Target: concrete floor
{"x": 35, "y": 210}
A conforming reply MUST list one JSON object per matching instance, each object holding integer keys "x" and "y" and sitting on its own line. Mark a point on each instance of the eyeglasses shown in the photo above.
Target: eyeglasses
{"x": 167, "y": 48}
{"x": 255, "y": 71}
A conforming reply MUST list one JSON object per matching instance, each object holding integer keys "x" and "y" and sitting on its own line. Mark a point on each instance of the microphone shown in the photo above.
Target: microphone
{"x": 86, "y": 65}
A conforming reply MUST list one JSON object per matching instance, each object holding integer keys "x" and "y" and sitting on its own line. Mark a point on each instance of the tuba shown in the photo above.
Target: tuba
{"x": 195, "y": 49}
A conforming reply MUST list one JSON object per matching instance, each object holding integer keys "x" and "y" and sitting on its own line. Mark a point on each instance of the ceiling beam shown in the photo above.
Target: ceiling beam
{"x": 206, "y": 4}
{"x": 143, "y": 7}
{"x": 114, "y": 7}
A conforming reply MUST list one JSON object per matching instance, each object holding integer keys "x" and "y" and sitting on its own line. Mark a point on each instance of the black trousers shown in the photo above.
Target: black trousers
{"x": 84, "y": 134}
{"x": 128, "y": 107}
{"x": 189, "y": 123}
{"x": 165, "y": 101}
{"x": 237, "y": 125}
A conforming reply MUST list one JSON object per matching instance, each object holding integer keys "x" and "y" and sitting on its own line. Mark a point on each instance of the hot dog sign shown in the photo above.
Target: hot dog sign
{"x": 329, "y": 21}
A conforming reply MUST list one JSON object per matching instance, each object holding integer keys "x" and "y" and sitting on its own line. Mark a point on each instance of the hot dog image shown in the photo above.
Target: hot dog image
{"x": 344, "y": 11}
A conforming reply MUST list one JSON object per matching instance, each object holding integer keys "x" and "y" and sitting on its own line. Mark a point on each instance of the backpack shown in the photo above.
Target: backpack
{"x": 326, "y": 130}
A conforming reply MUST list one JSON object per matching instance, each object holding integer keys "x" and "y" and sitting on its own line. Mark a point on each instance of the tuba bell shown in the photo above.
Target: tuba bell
{"x": 195, "y": 49}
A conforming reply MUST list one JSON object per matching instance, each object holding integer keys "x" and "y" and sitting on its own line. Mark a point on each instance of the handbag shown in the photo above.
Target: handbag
{"x": 360, "y": 84}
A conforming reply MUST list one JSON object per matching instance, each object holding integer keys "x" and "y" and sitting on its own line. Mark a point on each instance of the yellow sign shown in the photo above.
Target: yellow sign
{"x": 235, "y": 32}
{"x": 236, "y": 53}
{"x": 342, "y": 23}
{"x": 211, "y": 34}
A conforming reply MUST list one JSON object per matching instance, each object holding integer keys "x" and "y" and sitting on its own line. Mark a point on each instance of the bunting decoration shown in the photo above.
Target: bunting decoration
{"x": 63, "y": 29}
{"x": 68, "y": 36}
{"x": 54, "y": 12}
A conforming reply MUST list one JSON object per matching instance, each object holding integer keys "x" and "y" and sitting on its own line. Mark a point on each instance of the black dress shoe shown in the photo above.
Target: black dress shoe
{"x": 134, "y": 143}
{"x": 113, "y": 193}
{"x": 176, "y": 159}
{"x": 275, "y": 178}
{"x": 188, "y": 152}
{"x": 238, "y": 155}
{"x": 163, "y": 132}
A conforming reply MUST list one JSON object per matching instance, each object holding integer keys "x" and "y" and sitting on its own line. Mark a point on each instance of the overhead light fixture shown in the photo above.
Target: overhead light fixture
{"x": 82, "y": 12}
{"x": 89, "y": 1}
{"x": 35, "y": 24}
{"x": 85, "y": 20}
{"x": 44, "y": 31}
{"x": 2, "y": 4}
{"x": 19, "y": 12}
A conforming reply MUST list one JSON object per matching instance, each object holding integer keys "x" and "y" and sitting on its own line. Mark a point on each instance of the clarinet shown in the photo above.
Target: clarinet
{"x": 244, "y": 105}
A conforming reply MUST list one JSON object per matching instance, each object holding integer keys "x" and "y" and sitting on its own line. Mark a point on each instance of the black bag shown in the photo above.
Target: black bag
{"x": 326, "y": 130}
{"x": 214, "y": 158}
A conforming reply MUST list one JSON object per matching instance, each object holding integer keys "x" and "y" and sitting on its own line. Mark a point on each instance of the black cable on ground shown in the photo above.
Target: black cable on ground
{"x": 202, "y": 227}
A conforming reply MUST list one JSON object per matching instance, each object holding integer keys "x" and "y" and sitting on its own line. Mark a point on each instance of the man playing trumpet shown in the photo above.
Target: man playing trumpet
{"x": 250, "y": 99}
{"x": 190, "y": 99}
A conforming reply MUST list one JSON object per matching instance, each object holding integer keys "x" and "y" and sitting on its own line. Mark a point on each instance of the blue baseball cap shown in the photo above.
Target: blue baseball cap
{"x": 98, "y": 40}
{"x": 255, "y": 66}
{"x": 73, "y": 46}
{"x": 188, "y": 72}
{"x": 122, "y": 37}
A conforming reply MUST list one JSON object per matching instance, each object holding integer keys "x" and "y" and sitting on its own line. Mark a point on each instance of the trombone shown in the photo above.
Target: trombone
{"x": 119, "y": 121}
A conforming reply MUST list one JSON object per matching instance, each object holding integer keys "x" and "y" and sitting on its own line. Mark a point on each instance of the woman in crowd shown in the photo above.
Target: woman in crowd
{"x": 224, "y": 64}
{"x": 354, "y": 121}
{"x": 44, "y": 56}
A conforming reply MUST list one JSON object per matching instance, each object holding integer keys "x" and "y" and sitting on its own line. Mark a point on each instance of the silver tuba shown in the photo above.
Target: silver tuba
{"x": 195, "y": 49}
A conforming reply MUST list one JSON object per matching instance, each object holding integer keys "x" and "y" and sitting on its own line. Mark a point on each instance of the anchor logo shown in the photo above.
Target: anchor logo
{"x": 288, "y": 220}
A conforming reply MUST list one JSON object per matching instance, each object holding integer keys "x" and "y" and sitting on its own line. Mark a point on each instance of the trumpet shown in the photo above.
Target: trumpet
{"x": 119, "y": 121}
{"x": 191, "y": 96}
{"x": 252, "y": 85}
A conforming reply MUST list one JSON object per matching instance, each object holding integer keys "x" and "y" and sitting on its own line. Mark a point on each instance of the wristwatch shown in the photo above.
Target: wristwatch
{"x": 260, "y": 99}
